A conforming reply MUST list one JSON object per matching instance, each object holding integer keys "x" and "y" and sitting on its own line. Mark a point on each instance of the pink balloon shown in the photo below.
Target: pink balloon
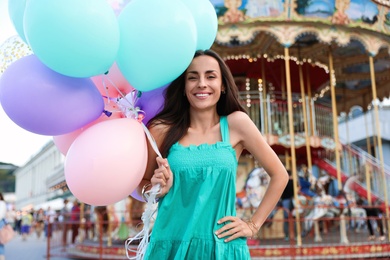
{"x": 106, "y": 162}
{"x": 109, "y": 84}
{"x": 63, "y": 142}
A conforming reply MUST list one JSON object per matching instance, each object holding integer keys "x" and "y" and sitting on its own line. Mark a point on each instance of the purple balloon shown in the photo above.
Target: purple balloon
{"x": 45, "y": 102}
{"x": 151, "y": 102}
{"x": 135, "y": 195}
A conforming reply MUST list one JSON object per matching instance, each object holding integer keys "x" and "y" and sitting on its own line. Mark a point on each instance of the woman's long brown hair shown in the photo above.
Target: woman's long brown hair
{"x": 175, "y": 112}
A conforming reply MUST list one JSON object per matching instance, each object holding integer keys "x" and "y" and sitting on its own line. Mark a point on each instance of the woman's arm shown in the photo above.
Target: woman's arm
{"x": 255, "y": 143}
{"x": 245, "y": 135}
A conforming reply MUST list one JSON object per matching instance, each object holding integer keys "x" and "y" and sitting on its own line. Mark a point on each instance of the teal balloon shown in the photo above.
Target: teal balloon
{"x": 158, "y": 42}
{"x": 16, "y": 14}
{"x": 76, "y": 38}
{"x": 206, "y": 21}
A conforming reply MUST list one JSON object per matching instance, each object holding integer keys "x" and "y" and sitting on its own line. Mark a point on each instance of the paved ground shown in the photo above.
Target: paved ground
{"x": 32, "y": 249}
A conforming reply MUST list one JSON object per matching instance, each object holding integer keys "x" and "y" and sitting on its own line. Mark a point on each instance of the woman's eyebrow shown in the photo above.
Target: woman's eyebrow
{"x": 196, "y": 72}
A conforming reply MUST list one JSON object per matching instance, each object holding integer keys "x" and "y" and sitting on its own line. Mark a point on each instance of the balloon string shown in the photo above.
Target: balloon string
{"x": 150, "y": 196}
{"x": 148, "y": 214}
{"x": 151, "y": 140}
{"x": 105, "y": 89}
{"x": 105, "y": 77}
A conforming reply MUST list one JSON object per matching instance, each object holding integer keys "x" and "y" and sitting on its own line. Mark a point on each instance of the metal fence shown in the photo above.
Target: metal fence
{"x": 321, "y": 232}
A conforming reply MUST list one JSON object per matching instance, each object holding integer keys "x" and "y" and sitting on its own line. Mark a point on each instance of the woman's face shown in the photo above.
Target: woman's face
{"x": 203, "y": 83}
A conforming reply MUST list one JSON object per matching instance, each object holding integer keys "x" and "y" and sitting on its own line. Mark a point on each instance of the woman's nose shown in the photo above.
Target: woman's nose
{"x": 202, "y": 83}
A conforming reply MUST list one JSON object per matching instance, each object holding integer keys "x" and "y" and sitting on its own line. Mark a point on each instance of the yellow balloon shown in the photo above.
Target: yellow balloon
{"x": 11, "y": 50}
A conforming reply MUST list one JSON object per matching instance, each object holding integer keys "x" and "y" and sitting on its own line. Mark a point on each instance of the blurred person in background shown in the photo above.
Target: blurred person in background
{"x": 26, "y": 223}
{"x": 64, "y": 219}
{"x": 373, "y": 219}
{"x": 287, "y": 204}
{"x": 18, "y": 222}
{"x": 75, "y": 220}
{"x": 11, "y": 216}
{"x": 39, "y": 217}
{"x": 50, "y": 216}
{"x": 3, "y": 211}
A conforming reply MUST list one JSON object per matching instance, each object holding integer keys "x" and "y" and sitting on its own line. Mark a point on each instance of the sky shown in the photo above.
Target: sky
{"x": 17, "y": 145}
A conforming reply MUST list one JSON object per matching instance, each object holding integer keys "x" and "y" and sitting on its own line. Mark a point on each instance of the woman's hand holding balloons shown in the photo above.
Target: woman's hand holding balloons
{"x": 162, "y": 176}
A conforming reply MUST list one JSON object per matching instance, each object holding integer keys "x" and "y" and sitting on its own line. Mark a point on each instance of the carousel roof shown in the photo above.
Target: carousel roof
{"x": 263, "y": 58}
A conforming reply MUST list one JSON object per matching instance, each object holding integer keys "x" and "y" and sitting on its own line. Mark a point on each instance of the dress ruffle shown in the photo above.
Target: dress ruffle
{"x": 198, "y": 249}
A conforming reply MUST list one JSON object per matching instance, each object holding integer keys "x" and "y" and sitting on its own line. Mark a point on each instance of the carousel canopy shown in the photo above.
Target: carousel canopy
{"x": 253, "y": 45}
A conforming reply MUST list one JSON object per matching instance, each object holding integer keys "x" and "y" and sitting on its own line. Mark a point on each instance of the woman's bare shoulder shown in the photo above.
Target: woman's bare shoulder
{"x": 158, "y": 129}
{"x": 238, "y": 119}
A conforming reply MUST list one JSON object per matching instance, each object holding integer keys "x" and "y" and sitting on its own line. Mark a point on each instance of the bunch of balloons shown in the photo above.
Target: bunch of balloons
{"x": 80, "y": 62}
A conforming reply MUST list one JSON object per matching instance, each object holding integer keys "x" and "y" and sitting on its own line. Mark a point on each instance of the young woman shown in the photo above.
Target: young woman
{"x": 201, "y": 133}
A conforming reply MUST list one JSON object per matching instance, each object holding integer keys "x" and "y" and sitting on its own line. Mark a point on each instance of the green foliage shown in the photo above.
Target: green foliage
{"x": 7, "y": 177}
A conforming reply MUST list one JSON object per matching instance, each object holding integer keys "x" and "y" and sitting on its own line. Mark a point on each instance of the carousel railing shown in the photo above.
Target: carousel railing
{"x": 324, "y": 227}
{"x": 355, "y": 161}
{"x": 270, "y": 114}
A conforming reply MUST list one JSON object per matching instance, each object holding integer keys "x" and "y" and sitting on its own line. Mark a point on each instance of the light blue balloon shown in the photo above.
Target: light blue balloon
{"x": 206, "y": 21}
{"x": 158, "y": 42}
{"x": 16, "y": 14}
{"x": 77, "y": 38}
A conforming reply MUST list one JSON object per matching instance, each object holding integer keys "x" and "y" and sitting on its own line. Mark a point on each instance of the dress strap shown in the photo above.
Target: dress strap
{"x": 224, "y": 129}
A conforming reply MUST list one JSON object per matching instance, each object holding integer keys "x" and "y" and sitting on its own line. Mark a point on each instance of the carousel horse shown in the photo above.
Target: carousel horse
{"x": 324, "y": 206}
{"x": 253, "y": 190}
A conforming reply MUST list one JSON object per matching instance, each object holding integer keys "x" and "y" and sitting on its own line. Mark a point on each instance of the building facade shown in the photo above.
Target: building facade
{"x": 41, "y": 182}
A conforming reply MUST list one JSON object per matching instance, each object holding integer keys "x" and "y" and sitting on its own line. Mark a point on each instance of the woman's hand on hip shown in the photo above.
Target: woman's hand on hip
{"x": 234, "y": 228}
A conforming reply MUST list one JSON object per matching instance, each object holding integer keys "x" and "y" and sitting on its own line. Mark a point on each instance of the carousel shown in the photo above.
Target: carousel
{"x": 301, "y": 66}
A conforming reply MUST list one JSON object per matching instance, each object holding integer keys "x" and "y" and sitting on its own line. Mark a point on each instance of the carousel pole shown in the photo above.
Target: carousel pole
{"x": 261, "y": 110}
{"x": 376, "y": 114}
{"x": 350, "y": 167}
{"x": 368, "y": 178}
{"x": 310, "y": 105}
{"x": 292, "y": 140}
{"x": 288, "y": 160}
{"x": 263, "y": 105}
{"x": 335, "y": 123}
{"x": 284, "y": 119}
{"x": 368, "y": 141}
{"x": 374, "y": 138}
{"x": 368, "y": 184}
{"x": 269, "y": 115}
{"x": 305, "y": 123}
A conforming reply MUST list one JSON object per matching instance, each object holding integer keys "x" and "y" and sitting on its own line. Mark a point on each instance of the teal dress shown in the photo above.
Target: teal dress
{"x": 203, "y": 191}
